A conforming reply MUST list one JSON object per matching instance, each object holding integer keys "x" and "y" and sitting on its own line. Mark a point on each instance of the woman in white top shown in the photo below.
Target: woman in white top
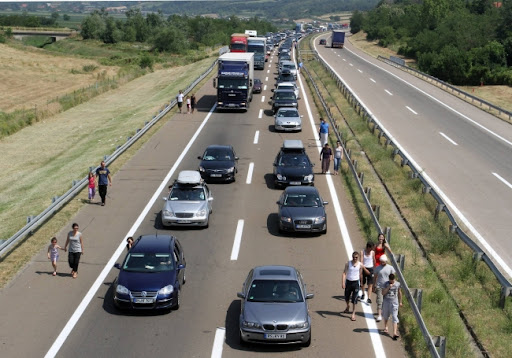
{"x": 338, "y": 156}
{"x": 76, "y": 249}
{"x": 368, "y": 260}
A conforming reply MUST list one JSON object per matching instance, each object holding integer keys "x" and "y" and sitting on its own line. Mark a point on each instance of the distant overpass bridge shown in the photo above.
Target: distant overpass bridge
{"x": 54, "y": 35}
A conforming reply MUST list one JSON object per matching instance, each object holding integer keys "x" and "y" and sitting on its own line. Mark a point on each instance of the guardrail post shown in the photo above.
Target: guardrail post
{"x": 417, "y": 295}
{"x": 368, "y": 192}
{"x": 354, "y": 163}
{"x": 91, "y": 169}
{"x": 477, "y": 256}
{"x": 394, "y": 153}
{"x": 439, "y": 208}
{"x": 413, "y": 175}
{"x": 376, "y": 211}
{"x": 440, "y": 343}
{"x": 361, "y": 178}
{"x": 426, "y": 189}
{"x": 54, "y": 199}
{"x": 74, "y": 182}
{"x": 401, "y": 262}
{"x": 138, "y": 130}
{"x": 505, "y": 292}
{"x": 146, "y": 123}
{"x": 387, "y": 232}
{"x": 105, "y": 157}
{"x": 128, "y": 138}
{"x": 30, "y": 218}
{"x": 453, "y": 229}
{"x": 404, "y": 162}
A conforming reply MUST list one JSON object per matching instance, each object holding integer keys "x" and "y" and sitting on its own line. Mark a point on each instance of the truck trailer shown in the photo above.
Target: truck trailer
{"x": 258, "y": 45}
{"x": 234, "y": 80}
{"x": 238, "y": 43}
{"x": 337, "y": 39}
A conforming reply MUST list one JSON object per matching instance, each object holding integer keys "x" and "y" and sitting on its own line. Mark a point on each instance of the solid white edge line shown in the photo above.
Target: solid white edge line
{"x": 262, "y": 99}
{"x": 492, "y": 253}
{"x": 448, "y": 138}
{"x": 502, "y": 180}
{"x": 249, "y": 173}
{"x": 238, "y": 239}
{"x": 61, "y": 338}
{"x": 370, "y": 321}
{"x": 218, "y": 342}
{"x": 410, "y": 109}
{"x": 256, "y": 136}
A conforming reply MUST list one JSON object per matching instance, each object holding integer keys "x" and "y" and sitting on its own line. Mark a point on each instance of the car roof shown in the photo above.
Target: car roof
{"x": 153, "y": 243}
{"x": 274, "y": 272}
{"x": 301, "y": 190}
{"x": 219, "y": 146}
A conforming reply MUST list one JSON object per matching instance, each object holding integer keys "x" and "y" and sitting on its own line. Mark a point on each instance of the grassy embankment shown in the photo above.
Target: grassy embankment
{"x": 443, "y": 266}
{"x": 41, "y": 160}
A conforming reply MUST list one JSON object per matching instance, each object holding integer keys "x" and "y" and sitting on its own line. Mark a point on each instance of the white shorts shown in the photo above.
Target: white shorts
{"x": 390, "y": 308}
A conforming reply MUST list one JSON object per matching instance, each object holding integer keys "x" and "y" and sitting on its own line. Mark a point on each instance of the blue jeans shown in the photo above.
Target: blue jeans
{"x": 337, "y": 162}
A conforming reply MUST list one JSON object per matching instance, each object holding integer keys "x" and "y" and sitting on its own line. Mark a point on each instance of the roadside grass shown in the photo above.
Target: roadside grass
{"x": 477, "y": 295}
{"x": 41, "y": 161}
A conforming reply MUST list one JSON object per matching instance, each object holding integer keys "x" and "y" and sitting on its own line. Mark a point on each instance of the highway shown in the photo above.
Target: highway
{"x": 41, "y": 313}
{"x": 464, "y": 150}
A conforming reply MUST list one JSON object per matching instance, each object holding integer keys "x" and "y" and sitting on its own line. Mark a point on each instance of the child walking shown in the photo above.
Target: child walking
{"x": 188, "y": 104}
{"x": 92, "y": 186}
{"x": 53, "y": 254}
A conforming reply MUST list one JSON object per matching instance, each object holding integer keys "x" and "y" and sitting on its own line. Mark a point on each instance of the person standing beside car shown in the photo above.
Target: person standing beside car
{"x": 325, "y": 157}
{"x": 338, "y": 156}
{"x": 76, "y": 249}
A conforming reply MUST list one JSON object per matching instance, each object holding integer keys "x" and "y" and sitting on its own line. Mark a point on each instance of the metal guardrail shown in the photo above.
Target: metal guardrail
{"x": 429, "y": 340}
{"x": 399, "y": 63}
{"x": 58, "y": 202}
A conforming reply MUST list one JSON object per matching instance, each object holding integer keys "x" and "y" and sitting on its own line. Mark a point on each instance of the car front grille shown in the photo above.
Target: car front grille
{"x": 184, "y": 215}
{"x": 289, "y": 125}
{"x": 271, "y": 327}
{"x": 303, "y": 222}
{"x": 148, "y": 294}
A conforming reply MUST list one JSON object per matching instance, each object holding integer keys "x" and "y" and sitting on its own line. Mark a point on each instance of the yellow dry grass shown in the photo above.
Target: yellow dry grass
{"x": 32, "y": 77}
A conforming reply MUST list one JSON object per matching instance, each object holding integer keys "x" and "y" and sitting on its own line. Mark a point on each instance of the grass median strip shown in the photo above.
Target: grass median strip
{"x": 452, "y": 283}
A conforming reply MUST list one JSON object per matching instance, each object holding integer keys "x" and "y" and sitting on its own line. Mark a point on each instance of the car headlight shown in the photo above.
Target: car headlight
{"x": 299, "y": 325}
{"x": 247, "y": 324}
{"x": 167, "y": 290}
{"x": 200, "y": 213}
{"x": 168, "y": 213}
{"x": 319, "y": 220}
{"x": 281, "y": 177}
{"x": 231, "y": 170}
{"x": 201, "y": 169}
{"x": 122, "y": 290}
{"x": 294, "y": 103}
{"x": 309, "y": 177}
{"x": 220, "y": 103}
{"x": 286, "y": 219}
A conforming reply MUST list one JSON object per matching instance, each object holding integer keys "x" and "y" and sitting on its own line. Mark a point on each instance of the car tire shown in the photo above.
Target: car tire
{"x": 178, "y": 301}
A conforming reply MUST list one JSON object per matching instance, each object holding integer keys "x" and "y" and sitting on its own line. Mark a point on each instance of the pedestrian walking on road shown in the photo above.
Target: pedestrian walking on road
{"x": 392, "y": 300}
{"x": 368, "y": 260}
{"x": 323, "y": 132}
{"x": 104, "y": 180}
{"x": 179, "y": 98}
{"x": 381, "y": 248}
{"x": 188, "y": 104}
{"x": 382, "y": 273}
{"x": 92, "y": 186}
{"x": 193, "y": 102}
{"x": 53, "y": 254}
{"x": 351, "y": 281}
{"x": 325, "y": 157}
{"x": 76, "y": 249}
{"x": 338, "y": 156}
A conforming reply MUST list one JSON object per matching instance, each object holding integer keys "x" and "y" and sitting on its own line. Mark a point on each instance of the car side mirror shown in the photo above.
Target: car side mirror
{"x": 240, "y": 295}
{"x": 117, "y": 266}
{"x": 278, "y": 202}
{"x": 199, "y": 158}
{"x": 214, "y": 83}
{"x": 210, "y": 198}
{"x": 164, "y": 198}
{"x": 275, "y": 164}
{"x": 310, "y": 296}
{"x": 301, "y": 116}
{"x": 325, "y": 202}
{"x": 181, "y": 266}
{"x": 298, "y": 97}
{"x": 271, "y": 90}
{"x": 272, "y": 97}
{"x": 236, "y": 158}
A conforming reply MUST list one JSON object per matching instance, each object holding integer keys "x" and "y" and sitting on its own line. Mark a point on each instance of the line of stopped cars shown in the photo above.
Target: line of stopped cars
{"x": 274, "y": 308}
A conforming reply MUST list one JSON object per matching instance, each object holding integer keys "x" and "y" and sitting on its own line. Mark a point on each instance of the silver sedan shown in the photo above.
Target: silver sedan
{"x": 287, "y": 119}
{"x": 187, "y": 205}
{"x": 274, "y": 307}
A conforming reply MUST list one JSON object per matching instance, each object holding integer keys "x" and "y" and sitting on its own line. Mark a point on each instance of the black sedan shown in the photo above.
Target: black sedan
{"x": 257, "y": 86}
{"x": 301, "y": 209}
{"x": 218, "y": 163}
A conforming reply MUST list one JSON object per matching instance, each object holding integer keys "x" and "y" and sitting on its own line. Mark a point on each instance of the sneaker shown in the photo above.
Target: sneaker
{"x": 379, "y": 319}
{"x": 102, "y": 204}
{"x": 362, "y": 297}
{"x": 369, "y": 300}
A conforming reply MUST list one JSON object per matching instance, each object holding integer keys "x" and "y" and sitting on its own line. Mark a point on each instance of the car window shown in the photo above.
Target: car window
{"x": 274, "y": 291}
{"x": 148, "y": 262}
{"x": 285, "y": 95}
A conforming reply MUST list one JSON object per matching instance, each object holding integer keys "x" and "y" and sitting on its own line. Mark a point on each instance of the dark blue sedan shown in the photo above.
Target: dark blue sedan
{"x": 301, "y": 209}
{"x": 151, "y": 275}
{"x": 218, "y": 163}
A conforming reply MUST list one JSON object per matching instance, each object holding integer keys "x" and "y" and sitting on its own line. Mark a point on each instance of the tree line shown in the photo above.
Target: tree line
{"x": 175, "y": 34}
{"x": 25, "y": 20}
{"x": 463, "y": 42}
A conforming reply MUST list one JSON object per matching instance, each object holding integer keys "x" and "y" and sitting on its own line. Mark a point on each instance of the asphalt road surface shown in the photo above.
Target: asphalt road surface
{"x": 41, "y": 313}
{"x": 464, "y": 150}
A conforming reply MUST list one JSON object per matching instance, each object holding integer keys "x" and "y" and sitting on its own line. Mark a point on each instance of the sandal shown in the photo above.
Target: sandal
{"x": 54, "y": 273}
{"x": 353, "y": 319}
{"x": 346, "y": 310}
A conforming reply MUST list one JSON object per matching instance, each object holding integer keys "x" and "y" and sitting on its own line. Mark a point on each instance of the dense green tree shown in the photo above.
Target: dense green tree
{"x": 93, "y": 26}
{"x": 170, "y": 39}
{"x": 356, "y": 22}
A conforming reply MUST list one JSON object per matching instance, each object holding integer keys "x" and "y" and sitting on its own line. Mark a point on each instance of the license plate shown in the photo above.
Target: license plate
{"x": 303, "y": 226}
{"x": 275, "y": 336}
{"x": 184, "y": 221}
{"x": 215, "y": 175}
{"x": 142, "y": 300}
{"x": 295, "y": 183}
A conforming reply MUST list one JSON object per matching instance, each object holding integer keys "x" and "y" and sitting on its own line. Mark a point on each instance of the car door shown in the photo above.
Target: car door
{"x": 246, "y": 286}
{"x": 209, "y": 198}
{"x": 180, "y": 260}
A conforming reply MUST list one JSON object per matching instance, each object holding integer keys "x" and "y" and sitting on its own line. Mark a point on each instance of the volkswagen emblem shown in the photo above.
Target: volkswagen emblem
{"x": 143, "y": 293}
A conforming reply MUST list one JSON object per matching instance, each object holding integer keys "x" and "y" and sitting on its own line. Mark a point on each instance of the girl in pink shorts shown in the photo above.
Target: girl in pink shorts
{"x": 92, "y": 186}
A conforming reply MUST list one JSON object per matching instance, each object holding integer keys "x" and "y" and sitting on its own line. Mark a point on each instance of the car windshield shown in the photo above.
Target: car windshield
{"x": 288, "y": 113}
{"x": 148, "y": 262}
{"x": 294, "y": 160}
{"x": 274, "y": 291}
{"x": 232, "y": 83}
{"x": 285, "y": 95}
{"x": 257, "y": 81}
{"x": 302, "y": 200}
{"x": 184, "y": 193}
{"x": 286, "y": 77}
{"x": 217, "y": 154}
